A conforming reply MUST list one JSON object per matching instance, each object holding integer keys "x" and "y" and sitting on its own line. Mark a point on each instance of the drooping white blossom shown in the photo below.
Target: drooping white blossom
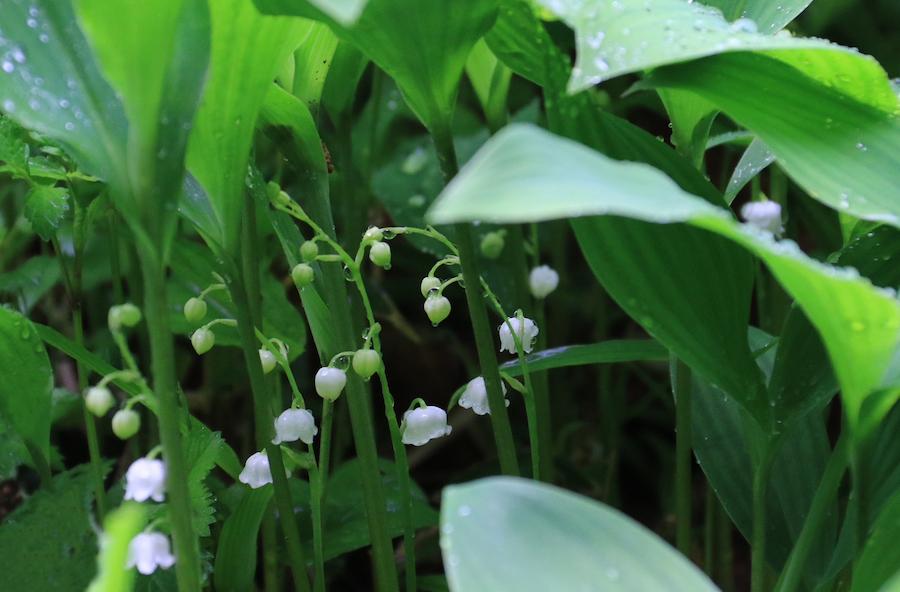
{"x": 475, "y": 396}
{"x": 293, "y": 425}
{"x": 424, "y": 424}
{"x": 146, "y": 479}
{"x": 330, "y": 382}
{"x": 256, "y": 472}
{"x": 525, "y": 329}
{"x": 764, "y": 215}
{"x": 150, "y": 550}
{"x": 542, "y": 280}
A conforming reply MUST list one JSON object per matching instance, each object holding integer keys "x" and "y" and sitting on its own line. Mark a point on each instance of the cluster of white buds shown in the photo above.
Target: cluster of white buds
{"x": 475, "y": 396}
{"x": 525, "y": 329}
{"x": 763, "y": 215}
{"x": 542, "y": 280}
{"x": 423, "y": 424}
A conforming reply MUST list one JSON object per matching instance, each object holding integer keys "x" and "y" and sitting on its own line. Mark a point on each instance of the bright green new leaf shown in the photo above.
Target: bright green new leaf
{"x": 422, "y": 44}
{"x": 312, "y": 64}
{"x": 520, "y": 170}
{"x": 496, "y": 531}
{"x": 119, "y": 527}
{"x": 247, "y": 51}
{"x": 755, "y": 159}
{"x": 45, "y": 208}
{"x": 343, "y": 11}
{"x": 880, "y": 558}
{"x": 604, "y": 352}
{"x": 27, "y": 385}
{"x": 73, "y": 104}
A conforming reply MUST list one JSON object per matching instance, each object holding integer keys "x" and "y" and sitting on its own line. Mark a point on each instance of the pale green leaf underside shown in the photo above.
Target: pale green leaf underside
{"x": 493, "y": 529}
{"x": 769, "y": 16}
{"x": 628, "y": 36}
{"x": 526, "y": 174}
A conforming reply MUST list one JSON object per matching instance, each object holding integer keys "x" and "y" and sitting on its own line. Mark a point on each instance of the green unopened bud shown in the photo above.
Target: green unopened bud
{"x": 98, "y": 400}
{"x": 194, "y": 310}
{"x": 373, "y": 233}
{"x": 309, "y": 250}
{"x": 366, "y": 362}
{"x": 267, "y": 360}
{"x": 380, "y": 254}
{"x": 437, "y": 308}
{"x": 428, "y": 284}
{"x": 114, "y": 318}
{"x": 129, "y": 314}
{"x": 203, "y": 340}
{"x": 303, "y": 274}
{"x": 126, "y": 423}
{"x": 492, "y": 244}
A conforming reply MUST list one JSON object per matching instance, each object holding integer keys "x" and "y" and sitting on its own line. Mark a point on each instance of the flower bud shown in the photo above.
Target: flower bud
{"x": 129, "y": 314}
{"x": 146, "y": 479}
{"x": 373, "y": 233}
{"x": 98, "y": 400}
{"x": 429, "y": 283}
{"x": 492, "y": 244}
{"x": 437, "y": 308}
{"x": 475, "y": 396}
{"x": 309, "y": 250}
{"x": 293, "y": 425}
{"x": 126, "y": 423}
{"x": 330, "y": 382}
{"x": 424, "y": 424}
{"x": 380, "y": 254}
{"x": 194, "y": 310}
{"x": 525, "y": 329}
{"x": 542, "y": 281}
{"x": 303, "y": 274}
{"x": 256, "y": 472}
{"x": 149, "y": 550}
{"x": 267, "y": 360}
{"x": 366, "y": 362}
{"x": 203, "y": 340}
{"x": 764, "y": 215}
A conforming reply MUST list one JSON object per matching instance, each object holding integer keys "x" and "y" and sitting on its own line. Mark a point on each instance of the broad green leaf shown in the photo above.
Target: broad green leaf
{"x": 312, "y": 63}
{"x": 768, "y": 16}
{"x": 343, "y": 11}
{"x": 490, "y": 79}
{"x": 504, "y": 533}
{"x": 422, "y": 45}
{"x": 27, "y": 385}
{"x": 520, "y": 169}
{"x": 155, "y": 55}
{"x": 805, "y": 123}
{"x": 347, "y": 67}
{"x": 119, "y": 527}
{"x": 48, "y": 543}
{"x": 46, "y": 207}
{"x": 691, "y": 118}
{"x": 247, "y": 51}
{"x": 51, "y": 84}
{"x": 236, "y": 552}
{"x": 604, "y": 352}
{"x": 13, "y": 147}
{"x": 880, "y": 557}
{"x": 755, "y": 159}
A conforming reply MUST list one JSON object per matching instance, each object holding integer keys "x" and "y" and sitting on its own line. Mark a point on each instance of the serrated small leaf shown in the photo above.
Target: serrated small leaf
{"x": 46, "y": 207}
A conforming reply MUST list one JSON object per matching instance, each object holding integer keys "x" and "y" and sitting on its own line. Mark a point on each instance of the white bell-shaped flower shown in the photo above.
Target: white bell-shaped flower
{"x": 525, "y": 329}
{"x": 764, "y": 215}
{"x": 475, "y": 396}
{"x": 293, "y": 425}
{"x": 330, "y": 382}
{"x": 424, "y": 424}
{"x": 150, "y": 550}
{"x": 256, "y": 472}
{"x": 542, "y": 280}
{"x": 146, "y": 479}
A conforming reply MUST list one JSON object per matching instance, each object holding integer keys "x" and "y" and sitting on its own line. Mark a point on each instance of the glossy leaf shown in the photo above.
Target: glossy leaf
{"x": 423, "y": 46}
{"x": 27, "y": 385}
{"x": 236, "y": 553}
{"x": 880, "y": 558}
{"x": 858, "y": 322}
{"x": 343, "y": 11}
{"x": 74, "y": 104}
{"x": 312, "y": 63}
{"x": 247, "y": 51}
{"x": 604, "y": 352}
{"x": 755, "y": 159}
{"x": 493, "y": 529}
{"x": 768, "y": 16}
{"x": 46, "y": 207}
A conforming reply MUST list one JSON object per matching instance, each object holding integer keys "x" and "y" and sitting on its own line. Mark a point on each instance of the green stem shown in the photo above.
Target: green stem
{"x": 725, "y": 550}
{"x": 244, "y": 289}
{"x": 484, "y": 340}
{"x": 681, "y": 388}
{"x": 162, "y": 348}
{"x": 758, "y": 543}
{"x": 709, "y": 532}
{"x": 271, "y": 567}
{"x": 90, "y": 424}
{"x": 409, "y": 532}
{"x": 334, "y": 292}
{"x": 818, "y": 510}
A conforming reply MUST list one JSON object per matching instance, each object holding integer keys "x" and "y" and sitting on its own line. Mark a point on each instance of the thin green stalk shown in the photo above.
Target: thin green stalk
{"x": 818, "y": 510}
{"x": 271, "y": 567}
{"x": 725, "y": 550}
{"x": 334, "y": 291}
{"x": 681, "y": 388}
{"x": 484, "y": 340}
{"x": 162, "y": 348}
{"x": 758, "y": 543}
{"x": 244, "y": 290}
{"x": 709, "y": 532}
